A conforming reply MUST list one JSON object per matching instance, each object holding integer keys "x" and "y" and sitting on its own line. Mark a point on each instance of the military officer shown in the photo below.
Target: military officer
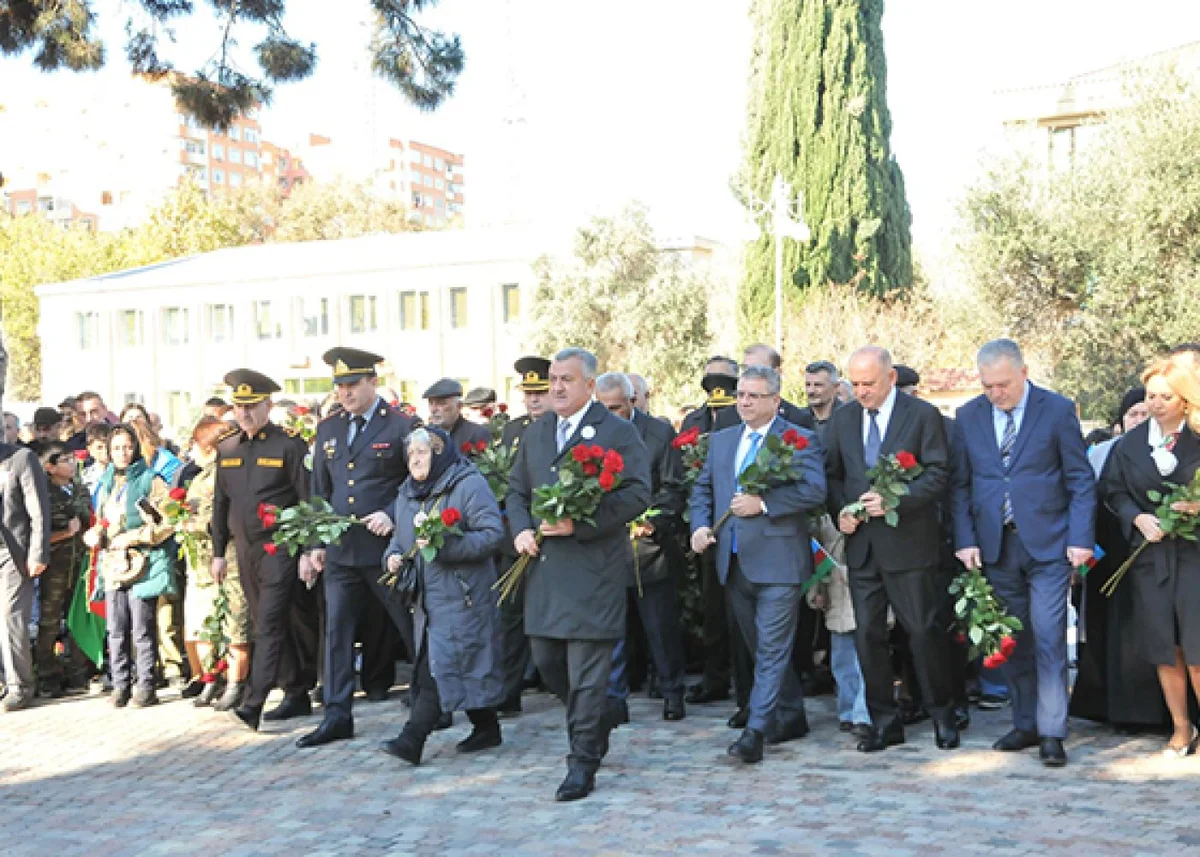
{"x": 261, "y": 463}
{"x": 358, "y": 466}
{"x": 445, "y": 411}
{"x": 535, "y": 386}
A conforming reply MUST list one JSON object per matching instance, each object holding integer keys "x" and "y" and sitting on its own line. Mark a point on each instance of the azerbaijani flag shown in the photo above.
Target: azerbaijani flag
{"x": 1097, "y": 555}
{"x": 823, "y": 566}
{"x": 86, "y": 624}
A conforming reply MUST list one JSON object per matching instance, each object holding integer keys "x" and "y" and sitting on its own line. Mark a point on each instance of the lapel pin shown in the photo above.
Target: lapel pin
{"x": 587, "y": 433}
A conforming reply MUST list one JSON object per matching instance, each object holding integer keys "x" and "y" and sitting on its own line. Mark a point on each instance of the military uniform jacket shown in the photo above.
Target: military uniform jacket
{"x": 265, "y": 468}
{"x": 656, "y": 553}
{"x": 465, "y": 431}
{"x": 575, "y": 588}
{"x": 510, "y": 438}
{"x": 361, "y": 478}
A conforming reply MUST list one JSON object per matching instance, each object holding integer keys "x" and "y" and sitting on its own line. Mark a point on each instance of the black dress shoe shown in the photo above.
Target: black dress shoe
{"x": 328, "y": 732}
{"x": 510, "y": 707}
{"x": 748, "y": 747}
{"x": 699, "y": 694}
{"x": 1017, "y": 739}
{"x": 881, "y": 739}
{"x": 293, "y": 705}
{"x": 793, "y": 730}
{"x": 194, "y": 688}
{"x": 377, "y": 694}
{"x": 945, "y": 734}
{"x": 445, "y": 721}
{"x": 673, "y": 708}
{"x": 248, "y": 716}
{"x": 740, "y": 718}
{"x": 404, "y": 746}
{"x": 1052, "y": 753}
{"x": 577, "y": 785}
{"x": 480, "y": 739}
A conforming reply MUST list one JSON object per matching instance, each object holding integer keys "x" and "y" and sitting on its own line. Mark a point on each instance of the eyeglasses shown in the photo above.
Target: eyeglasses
{"x": 754, "y": 397}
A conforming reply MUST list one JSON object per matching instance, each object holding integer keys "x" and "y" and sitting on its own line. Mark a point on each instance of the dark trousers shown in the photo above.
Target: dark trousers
{"x": 576, "y": 671}
{"x": 514, "y": 644}
{"x": 347, "y": 589}
{"x": 658, "y": 607}
{"x": 724, "y": 649}
{"x": 284, "y": 614}
{"x": 427, "y": 704}
{"x": 379, "y": 637}
{"x": 766, "y": 616}
{"x": 131, "y": 623}
{"x": 916, "y": 598}
{"x": 1036, "y": 672}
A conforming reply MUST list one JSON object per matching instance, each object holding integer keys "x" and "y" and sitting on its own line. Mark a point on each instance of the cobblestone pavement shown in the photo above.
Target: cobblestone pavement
{"x": 80, "y": 778}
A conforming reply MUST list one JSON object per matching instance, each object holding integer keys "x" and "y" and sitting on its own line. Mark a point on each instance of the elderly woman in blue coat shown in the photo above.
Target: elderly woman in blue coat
{"x": 459, "y": 656}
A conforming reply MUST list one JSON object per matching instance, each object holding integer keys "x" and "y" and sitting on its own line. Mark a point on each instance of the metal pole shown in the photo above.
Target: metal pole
{"x": 778, "y": 238}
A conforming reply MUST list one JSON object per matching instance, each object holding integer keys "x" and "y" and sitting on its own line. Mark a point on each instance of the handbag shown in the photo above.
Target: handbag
{"x": 121, "y": 567}
{"x": 406, "y": 583}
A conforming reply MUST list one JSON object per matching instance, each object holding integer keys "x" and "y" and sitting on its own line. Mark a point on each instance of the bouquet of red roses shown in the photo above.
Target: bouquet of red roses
{"x": 308, "y": 524}
{"x": 693, "y": 449}
{"x": 982, "y": 619}
{"x": 889, "y": 479}
{"x": 777, "y": 463}
{"x": 213, "y": 632}
{"x": 432, "y": 528}
{"x": 495, "y": 463}
{"x": 584, "y": 477}
{"x": 179, "y": 512}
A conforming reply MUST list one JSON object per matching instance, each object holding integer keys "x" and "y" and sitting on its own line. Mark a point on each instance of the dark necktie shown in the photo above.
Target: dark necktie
{"x": 874, "y": 440}
{"x": 360, "y": 425}
{"x": 1007, "y": 441}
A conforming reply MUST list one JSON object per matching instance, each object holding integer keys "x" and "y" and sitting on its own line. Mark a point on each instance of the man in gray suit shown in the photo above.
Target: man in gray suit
{"x": 24, "y": 554}
{"x": 763, "y": 554}
{"x": 575, "y": 586}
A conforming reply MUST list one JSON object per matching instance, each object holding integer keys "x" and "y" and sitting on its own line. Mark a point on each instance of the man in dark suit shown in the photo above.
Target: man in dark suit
{"x": 892, "y": 565}
{"x": 358, "y": 465}
{"x": 762, "y": 554}
{"x": 535, "y": 387}
{"x": 1024, "y": 508}
{"x": 261, "y": 463}
{"x": 445, "y": 412}
{"x": 575, "y": 591}
{"x": 24, "y": 555}
{"x": 655, "y": 546}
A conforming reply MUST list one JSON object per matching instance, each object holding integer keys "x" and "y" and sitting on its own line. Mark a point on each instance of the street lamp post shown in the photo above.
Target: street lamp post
{"x": 787, "y": 220}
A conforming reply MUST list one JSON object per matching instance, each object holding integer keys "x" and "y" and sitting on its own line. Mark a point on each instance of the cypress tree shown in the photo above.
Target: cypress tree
{"x": 818, "y": 115}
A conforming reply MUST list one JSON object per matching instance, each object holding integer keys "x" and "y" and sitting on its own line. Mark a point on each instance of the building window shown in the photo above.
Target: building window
{"x": 362, "y": 314}
{"x": 308, "y": 386}
{"x": 129, "y": 328}
{"x": 428, "y": 161}
{"x": 235, "y": 155}
{"x": 195, "y": 147}
{"x": 218, "y": 152}
{"x": 312, "y": 316}
{"x": 249, "y": 135}
{"x": 179, "y": 409}
{"x": 106, "y": 198}
{"x": 439, "y": 164}
{"x": 458, "y": 308}
{"x": 233, "y": 133}
{"x": 219, "y": 320}
{"x": 87, "y": 330}
{"x": 414, "y": 310}
{"x": 24, "y": 206}
{"x": 428, "y": 181}
{"x": 510, "y": 297}
{"x": 265, "y": 326}
{"x": 251, "y": 159}
{"x": 439, "y": 184}
{"x": 175, "y": 326}
{"x": 218, "y": 176}
{"x": 235, "y": 179}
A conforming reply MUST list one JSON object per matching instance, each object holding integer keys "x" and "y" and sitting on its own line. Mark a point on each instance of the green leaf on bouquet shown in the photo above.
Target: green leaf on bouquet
{"x": 891, "y": 517}
{"x": 428, "y": 553}
{"x": 976, "y": 635}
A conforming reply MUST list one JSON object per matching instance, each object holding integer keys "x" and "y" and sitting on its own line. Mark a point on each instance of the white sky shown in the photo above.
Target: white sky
{"x": 645, "y": 98}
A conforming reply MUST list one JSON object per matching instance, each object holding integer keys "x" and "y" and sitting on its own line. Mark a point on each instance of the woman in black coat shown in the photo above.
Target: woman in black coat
{"x": 1165, "y": 580}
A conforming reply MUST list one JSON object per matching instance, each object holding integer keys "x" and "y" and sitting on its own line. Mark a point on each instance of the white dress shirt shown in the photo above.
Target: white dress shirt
{"x": 882, "y": 418}
{"x": 573, "y": 421}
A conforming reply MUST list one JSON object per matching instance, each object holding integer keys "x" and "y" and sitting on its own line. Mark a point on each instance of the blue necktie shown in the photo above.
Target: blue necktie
{"x": 874, "y": 440}
{"x": 1007, "y": 442}
{"x": 747, "y": 460}
{"x": 357, "y": 426}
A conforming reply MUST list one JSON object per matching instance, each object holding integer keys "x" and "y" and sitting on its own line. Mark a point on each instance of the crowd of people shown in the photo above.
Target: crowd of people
{"x": 1010, "y": 485}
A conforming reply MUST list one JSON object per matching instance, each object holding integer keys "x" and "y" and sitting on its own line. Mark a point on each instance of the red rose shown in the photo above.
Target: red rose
{"x": 481, "y": 445}
{"x": 791, "y": 436}
{"x": 220, "y": 666}
{"x": 267, "y": 509}
{"x": 81, "y": 455}
{"x": 960, "y": 638}
{"x": 488, "y": 412}
{"x": 590, "y": 469}
{"x": 1007, "y": 645}
{"x": 607, "y": 480}
{"x": 208, "y": 678}
{"x": 596, "y": 451}
{"x": 696, "y": 465}
{"x": 613, "y": 461}
{"x": 103, "y": 523}
{"x": 178, "y": 494}
{"x": 271, "y": 548}
{"x": 467, "y": 448}
{"x": 906, "y": 460}
{"x": 581, "y": 453}
{"x": 451, "y": 516}
{"x": 990, "y": 662}
{"x": 502, "y": 408}
{"x": 269, "y": 519}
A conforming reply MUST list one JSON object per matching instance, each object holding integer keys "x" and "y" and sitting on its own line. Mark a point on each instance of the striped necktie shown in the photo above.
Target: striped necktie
{"x": 1007, "y": 441}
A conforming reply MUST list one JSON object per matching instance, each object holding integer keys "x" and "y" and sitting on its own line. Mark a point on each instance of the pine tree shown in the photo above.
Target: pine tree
{"x": 818, "y": 116}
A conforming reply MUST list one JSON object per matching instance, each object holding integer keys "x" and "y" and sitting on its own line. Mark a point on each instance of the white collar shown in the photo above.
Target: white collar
{"x": 1156, "y": 438}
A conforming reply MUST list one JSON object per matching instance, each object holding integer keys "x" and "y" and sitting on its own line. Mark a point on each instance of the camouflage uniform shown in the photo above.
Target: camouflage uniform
{"x": 57, "y": 583}
{"x": 201, "y": 587}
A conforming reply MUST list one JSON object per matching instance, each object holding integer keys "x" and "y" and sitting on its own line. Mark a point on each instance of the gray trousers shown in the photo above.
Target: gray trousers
{"x": 132, "y": 622}
{"x": 576, "y": 671}
{"x": 766, "y": 616}
{"x": 16, "y": 611}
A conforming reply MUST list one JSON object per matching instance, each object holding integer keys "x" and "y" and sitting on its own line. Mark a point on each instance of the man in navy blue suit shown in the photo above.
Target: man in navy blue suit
{"x": 1024, "y": 507}
{"x": 762, "y": 554}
